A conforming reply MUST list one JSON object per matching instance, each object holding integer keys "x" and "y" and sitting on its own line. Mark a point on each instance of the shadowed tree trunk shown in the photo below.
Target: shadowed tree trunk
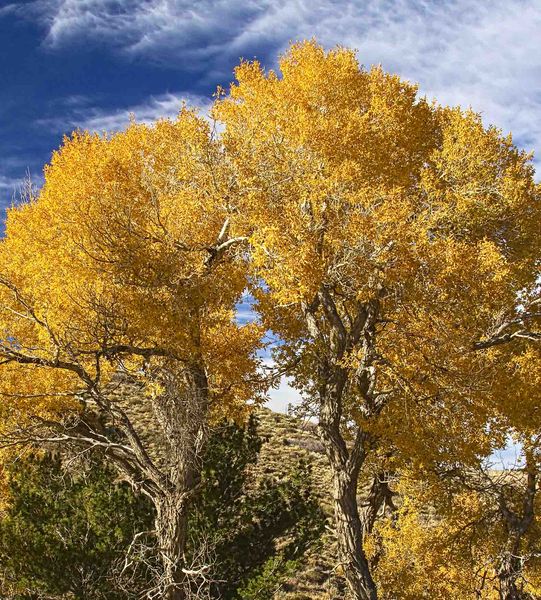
{"x": 345, "y": 466}
{"x": 344, "y": 334}
{"x": 508, "y": 572}
{"x": 182, "y": 420}
{"x": 350, "y": 535}
{"x": 517, "y": 522}
{"x": 171, "y": 529}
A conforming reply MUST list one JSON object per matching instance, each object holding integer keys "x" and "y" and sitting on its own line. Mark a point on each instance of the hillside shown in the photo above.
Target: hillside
{"x": 286, "y": 441}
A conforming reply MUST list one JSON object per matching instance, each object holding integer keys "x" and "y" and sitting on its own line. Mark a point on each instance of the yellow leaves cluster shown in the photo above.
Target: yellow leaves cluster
{"x": 446, "y": 543}
{"x": 337, "y": 177}
{"x": 518, "y": 382}
{"x": 116, "y": 252}
{"x": 426, "y": 556}
{"x": 324, "y": 153}
{"x": 347, "y": 179}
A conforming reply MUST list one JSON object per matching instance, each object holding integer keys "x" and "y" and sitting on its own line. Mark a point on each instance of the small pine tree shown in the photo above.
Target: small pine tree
{"x": 258, "y": 529}
{"x": 63, "y": 533}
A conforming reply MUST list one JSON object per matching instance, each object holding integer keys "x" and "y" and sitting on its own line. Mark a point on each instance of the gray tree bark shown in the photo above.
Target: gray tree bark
{"x": 181, "y": 411}
{"x": 343, "y": 334}
{"x": 508, "y": 572}
{"x": 350, "y": 536}
{"x": 171, "y": 525}
{"x": 517, "y": 523}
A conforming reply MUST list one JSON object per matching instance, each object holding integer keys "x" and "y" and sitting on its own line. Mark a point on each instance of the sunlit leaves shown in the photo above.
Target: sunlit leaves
{"x": 118, "y": 252}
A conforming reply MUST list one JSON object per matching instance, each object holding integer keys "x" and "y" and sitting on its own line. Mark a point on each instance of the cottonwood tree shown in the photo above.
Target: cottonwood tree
{"x": 124, "y": 270}
{"x": 471, "y": 532}
{"x": 389, "y": 238}
{"x": 513, "y": 492}
{"x": 469, "y": 527}
{"x": 513, "y": 495}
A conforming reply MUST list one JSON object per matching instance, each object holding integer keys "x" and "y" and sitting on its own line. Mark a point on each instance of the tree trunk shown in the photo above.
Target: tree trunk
{"x": 171, "y": 525}
{"x": 344, "y": 334}
{"x": 511, "y": 566}
{"x": 345, "y": 463}
{"x": 180, "y": 411}
{"x": 507, "y": 576}
{"x": 349, "y": 532}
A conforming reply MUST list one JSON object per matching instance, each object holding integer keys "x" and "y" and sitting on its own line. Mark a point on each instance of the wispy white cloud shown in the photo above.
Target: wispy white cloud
{"x": 8, "y": 183}
{"x": 9, "y": 9}
{"x": 14, "y": 184}
{"x": 79, "y": 112}
{"x": 483, "y": 54}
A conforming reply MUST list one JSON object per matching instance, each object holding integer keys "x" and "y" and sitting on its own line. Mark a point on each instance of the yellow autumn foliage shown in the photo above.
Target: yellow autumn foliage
{"x": 446, "y": 543}
{"x": 348, "y": 181}
{"x": 384, "y": 238}
{"x": 113, "y": 255}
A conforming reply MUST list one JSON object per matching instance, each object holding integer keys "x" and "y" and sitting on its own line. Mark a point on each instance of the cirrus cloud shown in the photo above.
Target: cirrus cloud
{"x": 80, "y": 113}
{"x": 483, "y": 54}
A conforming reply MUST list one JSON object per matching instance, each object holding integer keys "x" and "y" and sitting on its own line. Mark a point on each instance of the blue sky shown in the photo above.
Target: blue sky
{"x": 90, "y": 63}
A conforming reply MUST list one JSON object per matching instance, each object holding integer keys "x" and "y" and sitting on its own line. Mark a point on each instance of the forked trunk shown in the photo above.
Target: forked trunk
{"x": 345, "y": 335}
{"x": 171, "y": 524}
{"x": 349, "y": 532}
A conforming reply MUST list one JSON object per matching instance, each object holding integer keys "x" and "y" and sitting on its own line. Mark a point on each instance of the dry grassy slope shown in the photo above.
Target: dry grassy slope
{"x": 286, "y": 441}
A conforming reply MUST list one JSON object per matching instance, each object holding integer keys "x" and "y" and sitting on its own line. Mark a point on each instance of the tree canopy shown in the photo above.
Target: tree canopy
{"x": 392, "y": 246}
{"x": 125, "y": 268}
{"x": 358, "y": 193}
{"x": 116, "y": 262}
{"x": 395, "y": 245}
